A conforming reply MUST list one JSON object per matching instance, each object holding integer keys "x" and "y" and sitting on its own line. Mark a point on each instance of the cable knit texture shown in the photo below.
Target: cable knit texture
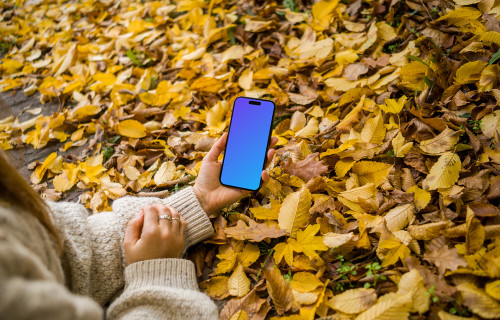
{"x": 37, "y": 283}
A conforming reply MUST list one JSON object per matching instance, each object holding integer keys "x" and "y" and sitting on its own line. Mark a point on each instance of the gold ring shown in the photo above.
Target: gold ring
{"x": 178, "y": 219}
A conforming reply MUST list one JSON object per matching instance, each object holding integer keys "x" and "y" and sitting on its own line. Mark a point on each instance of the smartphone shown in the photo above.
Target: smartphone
{"x": 247, "y": 143}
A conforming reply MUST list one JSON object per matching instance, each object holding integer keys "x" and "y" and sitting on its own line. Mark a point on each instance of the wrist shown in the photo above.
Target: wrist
{"x": 201, "y": 199}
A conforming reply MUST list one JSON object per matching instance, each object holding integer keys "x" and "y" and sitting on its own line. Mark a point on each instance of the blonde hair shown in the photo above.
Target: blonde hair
{"x": 15, "y": 190}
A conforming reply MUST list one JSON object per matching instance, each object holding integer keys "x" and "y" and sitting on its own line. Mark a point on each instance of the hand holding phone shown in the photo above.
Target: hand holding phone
{"x": 211, "y": 193}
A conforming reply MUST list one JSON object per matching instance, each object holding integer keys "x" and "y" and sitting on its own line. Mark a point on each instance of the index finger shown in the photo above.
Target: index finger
{"x": 150, "y": 217}
{"x": 217, "y": 148}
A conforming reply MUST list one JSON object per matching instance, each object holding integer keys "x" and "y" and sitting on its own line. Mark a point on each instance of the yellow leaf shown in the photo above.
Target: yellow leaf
{"x": 294, "y": 211}
{"x": 278, "y": 289}
{"x": 322, "y": 12}
{"x": 341, "y": 84}
{"x": 351, "y": 117}
{"x": 304, "y": 297}
{"x": 305, "y": 282}
{"x": 343, "y": 166}
{"x": 67, "y": 62}
{"x": 475, "y": 234}
{"x": 346, "y": 57}
{"x": 478, "y": 301}
{"x": 9, "y": 66}
{"x": 40, "y": 171}
{"x": 131, "y": 129}
{"x": 182, "y": 112}
{"x": 390, "y": 306}
{"x": 311, "y": 243}
{"x": 239, "y": 315}
{"x": 399, "y": 217}
{"x": 373, "y": 131}
{"x": 489, "y": 78}
{"x": 440, "y": 143}
{"x": 421, "y": 197}
{"x": 216, "y": 116}
{"x": 309, "y": 130}
{"x": 319, "y": 49}
{"x": 393, "y": 105}
{"x": 397, "y": 251}
{"x": 248, "y": 255}
{"x": 493, "y": 289}
{"x": 335, "y": 240}
{"x": 412, "y": 75}
{"x": 238, "y": 284}
{"x": 400, "y": 147}
{"x": 491, "y": 36}
{"x": 286, "y": 250}
{"x": 235, "y": 52}
{"x": 67, "y": 179}
{"x": 371, "y": 172}
{"x": 85, "y": 111}
{"x": 206, "y": 84}
{"x": 461, "y": 15}
{"x": 413, "y": 283}
{"x": 470, "y": 72}
{"x": 131, "y": 172}
{"x": 490, "y": 124}
{"x": 353, "y": 301}
{"x": 267, "y": 214}
{"x": 215, "y": 287}
{"x": 444, "y": 173}
{"x": 245, "y": 81}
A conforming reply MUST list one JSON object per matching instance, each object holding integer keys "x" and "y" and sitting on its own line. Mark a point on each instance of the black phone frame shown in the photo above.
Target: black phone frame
{"x": 267, "y": 148}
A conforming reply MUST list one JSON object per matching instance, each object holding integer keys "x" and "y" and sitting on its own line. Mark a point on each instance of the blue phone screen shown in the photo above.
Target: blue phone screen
{"x": 247, "y": 143}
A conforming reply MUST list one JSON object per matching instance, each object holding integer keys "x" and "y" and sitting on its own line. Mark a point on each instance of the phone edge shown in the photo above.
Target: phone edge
{"x": 267, "y": 148}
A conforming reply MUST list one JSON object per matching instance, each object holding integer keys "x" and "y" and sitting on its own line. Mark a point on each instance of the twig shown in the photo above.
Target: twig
{"x": 333, "y": 128}
{"x": 164, "y": 193}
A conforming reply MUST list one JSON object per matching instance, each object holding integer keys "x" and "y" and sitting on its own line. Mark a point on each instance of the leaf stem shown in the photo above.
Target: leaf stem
{"x": 263, "y": 264}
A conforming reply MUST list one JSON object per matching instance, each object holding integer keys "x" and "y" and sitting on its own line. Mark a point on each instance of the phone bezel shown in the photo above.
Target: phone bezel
{"x": 267, "y": 147}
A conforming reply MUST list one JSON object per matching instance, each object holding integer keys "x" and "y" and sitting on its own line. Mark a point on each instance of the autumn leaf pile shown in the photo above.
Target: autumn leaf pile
{"x": 384, "y": 192}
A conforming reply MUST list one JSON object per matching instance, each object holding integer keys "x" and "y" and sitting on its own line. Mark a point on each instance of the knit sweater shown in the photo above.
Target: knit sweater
{"x": 38, "y": 283}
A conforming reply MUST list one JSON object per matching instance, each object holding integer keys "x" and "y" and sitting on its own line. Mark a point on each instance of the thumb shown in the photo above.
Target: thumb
{"x": 217, "y": 148}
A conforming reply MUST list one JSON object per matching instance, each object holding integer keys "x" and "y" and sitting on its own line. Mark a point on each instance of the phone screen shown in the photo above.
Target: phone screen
{"x": 247, "y": 141}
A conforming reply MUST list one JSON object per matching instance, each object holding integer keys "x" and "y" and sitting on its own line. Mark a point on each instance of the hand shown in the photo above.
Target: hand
{"x": 208, "y": 189}
{"x": 147, "y": 237}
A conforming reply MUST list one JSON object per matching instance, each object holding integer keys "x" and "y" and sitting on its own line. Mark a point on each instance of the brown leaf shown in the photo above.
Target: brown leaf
{"x": 445, "y": 259}
{"x": 353, "y": 71}
{"x": 306, "y": 169}
{"x": 279, "y": 289}
{"x": 255, "y": 232}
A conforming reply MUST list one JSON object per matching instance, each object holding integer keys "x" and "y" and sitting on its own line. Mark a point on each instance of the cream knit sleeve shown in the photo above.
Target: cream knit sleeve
{"x": 162, "y": 289}
{"x": 103, "y": 234}
{"x": 184, "y": 201}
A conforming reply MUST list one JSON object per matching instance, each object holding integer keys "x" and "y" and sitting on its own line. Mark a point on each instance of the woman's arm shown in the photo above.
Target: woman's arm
{"x": 28, "y": 290}
{"x": 162, "y": 289}
{"x": 158, "y": 284}
{"x": 99, "y": 238}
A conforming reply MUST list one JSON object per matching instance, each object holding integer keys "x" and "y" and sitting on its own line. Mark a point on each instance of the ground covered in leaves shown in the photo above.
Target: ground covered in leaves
{"x": 384, "y": 192}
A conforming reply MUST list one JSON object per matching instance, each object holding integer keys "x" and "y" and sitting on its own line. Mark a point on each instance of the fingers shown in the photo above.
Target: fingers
{"x": 163, "y": 210}
{"x": 274, "y": 141}
{"x": 174, "y": 226}
{"x": 269, "y": 157}
{"x": 265, "y": 176}
{"x": 176, "y": 221}
{"x": 150, "y": 218}
{"x": 217, "y": 149}
{"x": 133, "y": 231}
